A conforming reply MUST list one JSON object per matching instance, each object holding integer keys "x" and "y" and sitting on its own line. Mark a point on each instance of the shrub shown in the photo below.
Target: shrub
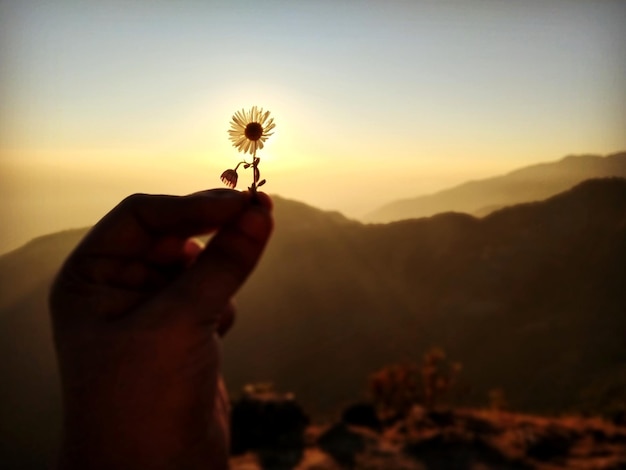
{"x": 396, "y": 388}
{"x": 264, "y": 420}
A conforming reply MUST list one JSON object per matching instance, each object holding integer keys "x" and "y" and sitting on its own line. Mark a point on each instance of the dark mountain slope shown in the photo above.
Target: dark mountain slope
{"x": 29, "y": 389}
{"x": 37, "y": 261}
{"x": 531, "y": 298}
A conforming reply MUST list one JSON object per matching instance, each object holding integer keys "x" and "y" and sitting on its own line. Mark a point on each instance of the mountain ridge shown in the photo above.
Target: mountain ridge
{"x": 534, "y": 182}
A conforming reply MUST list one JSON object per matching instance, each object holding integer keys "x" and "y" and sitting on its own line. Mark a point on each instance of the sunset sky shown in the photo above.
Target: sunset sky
{"x": 373, "y": 101}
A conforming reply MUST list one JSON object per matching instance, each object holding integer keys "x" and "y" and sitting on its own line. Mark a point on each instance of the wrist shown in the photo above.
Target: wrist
{"x": 148, "y": 417}
{"x": 104, "y": 435}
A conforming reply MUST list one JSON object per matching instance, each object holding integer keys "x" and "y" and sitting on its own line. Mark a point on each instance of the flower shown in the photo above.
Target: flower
{"x": 250, "y": 129}
{"x": 229, "y": 178}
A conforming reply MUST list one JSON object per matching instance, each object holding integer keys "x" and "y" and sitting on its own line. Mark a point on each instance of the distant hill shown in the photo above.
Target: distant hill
{"x": 533, "y": 183}
{"x": 530, "y": 299}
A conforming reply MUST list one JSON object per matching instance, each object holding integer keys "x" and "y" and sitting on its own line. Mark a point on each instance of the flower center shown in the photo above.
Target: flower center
{"x": 254, "y": 131}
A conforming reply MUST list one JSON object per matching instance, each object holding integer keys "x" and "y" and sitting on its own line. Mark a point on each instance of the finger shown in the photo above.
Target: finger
{"x": 263, "y": 200}
{"x": 124, "y": 273}
{"x": 131, "y": 226}
{"x": 193, "y": 247}
{"x": 164, "y": 260}
{"x": 190, "y": 215}
{"x": 206, "y": 287}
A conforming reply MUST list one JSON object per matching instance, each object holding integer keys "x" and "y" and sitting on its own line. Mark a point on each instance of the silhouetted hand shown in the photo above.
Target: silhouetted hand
{"x": 136, "y": 311}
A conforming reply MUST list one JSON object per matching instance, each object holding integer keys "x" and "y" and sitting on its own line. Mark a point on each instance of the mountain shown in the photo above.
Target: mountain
{"x": 530, "y": 298}
{"x": 29, "y": 390}
{"x": 533, "y": 183}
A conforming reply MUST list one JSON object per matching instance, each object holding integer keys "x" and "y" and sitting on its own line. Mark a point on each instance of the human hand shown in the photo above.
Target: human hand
{"x": 136, "y": 310}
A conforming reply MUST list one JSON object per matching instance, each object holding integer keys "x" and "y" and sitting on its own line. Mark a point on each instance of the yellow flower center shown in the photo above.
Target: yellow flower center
{"x": 254, "y": 131}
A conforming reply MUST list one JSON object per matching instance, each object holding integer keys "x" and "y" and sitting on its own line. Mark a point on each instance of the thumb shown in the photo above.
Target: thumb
{"x": 205, "y": 289}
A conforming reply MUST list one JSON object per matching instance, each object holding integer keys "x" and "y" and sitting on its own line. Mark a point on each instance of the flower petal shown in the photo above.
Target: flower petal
{"x": 239, "y": 122}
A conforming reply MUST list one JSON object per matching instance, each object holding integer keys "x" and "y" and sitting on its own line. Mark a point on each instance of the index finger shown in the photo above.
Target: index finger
{"x": 141, "y": 218}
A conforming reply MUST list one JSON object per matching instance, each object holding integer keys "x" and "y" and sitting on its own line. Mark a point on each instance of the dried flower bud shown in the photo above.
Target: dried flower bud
{"x": 229, "y": 178}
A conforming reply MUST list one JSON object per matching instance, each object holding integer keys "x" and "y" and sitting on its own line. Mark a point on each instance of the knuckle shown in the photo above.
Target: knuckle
{"x": 134, "y": 200}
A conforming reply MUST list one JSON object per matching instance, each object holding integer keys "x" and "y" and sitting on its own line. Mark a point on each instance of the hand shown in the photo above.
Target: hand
{"x": 136, "y": 311}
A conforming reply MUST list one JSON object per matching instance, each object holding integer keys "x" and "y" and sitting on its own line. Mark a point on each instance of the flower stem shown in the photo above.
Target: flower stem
{"x": 255, "y": 173}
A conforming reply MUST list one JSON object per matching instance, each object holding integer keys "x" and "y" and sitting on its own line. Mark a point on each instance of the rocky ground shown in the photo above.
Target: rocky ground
{"x": 460, "y": 439}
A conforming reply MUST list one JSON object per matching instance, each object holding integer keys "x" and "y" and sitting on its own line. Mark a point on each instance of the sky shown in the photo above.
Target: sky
{"x": 373, "y": 100}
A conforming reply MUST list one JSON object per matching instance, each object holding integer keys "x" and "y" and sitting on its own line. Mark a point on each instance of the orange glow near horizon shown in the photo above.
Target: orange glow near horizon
{"x": 371, "y": 104}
